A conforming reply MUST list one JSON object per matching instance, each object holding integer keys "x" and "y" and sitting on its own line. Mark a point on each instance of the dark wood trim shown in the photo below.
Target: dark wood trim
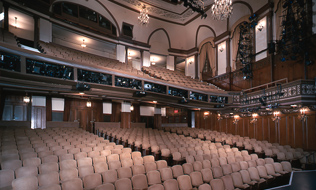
{"x": 197, "y": 33}
{"x": 224, "y": 34}
{"x": 125, "y": 120}
{"x": 2, "y": 102}
{"x": 49, "y": 108}
{"x": 157, "y": 31}
{"x": 180, "y": 51}
{"x": 264, "y": 8}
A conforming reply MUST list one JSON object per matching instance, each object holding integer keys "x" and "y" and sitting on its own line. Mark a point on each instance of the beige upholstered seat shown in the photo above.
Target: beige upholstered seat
{"x": 153, "y": 177}
{"x": 92, "y": 181}
{"x": 196, "y": 179}
{"x": 48, "y": 179}
{"x": 184, "y": 182}
{"x": 6, "y": 178}
{"x": 177, "y": 171}
{"x": 109, "y": 176}
{"x": 68, "y": 174}
{"x": 217, "y": 184}
{"x": 74, "y": 184}
{"x": 171, "y": 184}
{"x": 123, "y": 184}
{"x": 139, "y": 182}
{"x": 25, "y": 183}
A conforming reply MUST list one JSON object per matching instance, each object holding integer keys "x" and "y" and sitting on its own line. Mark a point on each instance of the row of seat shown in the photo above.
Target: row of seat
{"x": 108, "y": 61}
{"x": 178, "y": 78}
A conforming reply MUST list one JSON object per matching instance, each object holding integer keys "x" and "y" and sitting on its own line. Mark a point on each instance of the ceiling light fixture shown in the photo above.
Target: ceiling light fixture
{"x": 222, "y": 9}
{"x": 143, "y": 16}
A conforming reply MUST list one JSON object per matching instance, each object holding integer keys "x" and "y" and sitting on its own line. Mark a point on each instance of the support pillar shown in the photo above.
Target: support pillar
{"x": 126, "y": 115}
{"x": 6, "y": 16}
{"x": 146, "y": 58}
{"x": 157, "y": 118}
{"x": 36, "y": 30}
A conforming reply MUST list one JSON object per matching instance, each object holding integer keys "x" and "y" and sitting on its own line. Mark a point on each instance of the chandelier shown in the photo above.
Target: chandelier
{"x": 222, "y": 9}
{"x": 143, "y": 16}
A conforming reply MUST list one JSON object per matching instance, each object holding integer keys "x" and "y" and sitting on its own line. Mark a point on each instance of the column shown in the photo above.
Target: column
{"x": 141, "y": 59}
{"x": 126, "y": 55}
{"x": 196, "y": 63}
{"x": 157, "y": 118}
{"x": 135, "y": 114}
{"x": 146, "y": 58}
{"x": 170, "y": 62}
{"x": 126, "y": 115}
{"x": 45, "y": 30}
{"x": 120, "y": 53}
{"x": 36, "y": 30}
{"x": 6, "y": 16}
{"x": 228, "y": 67}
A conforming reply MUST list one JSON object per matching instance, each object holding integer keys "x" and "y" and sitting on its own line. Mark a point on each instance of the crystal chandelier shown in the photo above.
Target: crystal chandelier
{"x": 143, "y": 16}
{"x": 222, "y": 9}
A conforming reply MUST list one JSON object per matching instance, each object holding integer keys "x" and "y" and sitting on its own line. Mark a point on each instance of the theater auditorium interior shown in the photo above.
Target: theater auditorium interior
{"x": 157, "y": 94}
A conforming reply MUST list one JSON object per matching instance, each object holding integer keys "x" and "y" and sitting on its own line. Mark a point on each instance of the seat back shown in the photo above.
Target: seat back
{"x": 217, "y": 184}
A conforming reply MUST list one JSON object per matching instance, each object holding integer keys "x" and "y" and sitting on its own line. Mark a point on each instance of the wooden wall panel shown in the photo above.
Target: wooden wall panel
{"x": 282, "y": 134}
{"x": 263, "y": 73}
{"x": 125, "y": 120}
{"x": 290, "y": 131}
{"x": 116, "y": 112}
{"x": 311, "y": 131}
{"x": 298, "y": 133}
{"x": 135, "y": 118}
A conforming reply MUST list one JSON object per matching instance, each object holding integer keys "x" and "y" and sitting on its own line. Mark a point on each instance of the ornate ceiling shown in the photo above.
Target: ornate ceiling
{"x": 163, "y": 10}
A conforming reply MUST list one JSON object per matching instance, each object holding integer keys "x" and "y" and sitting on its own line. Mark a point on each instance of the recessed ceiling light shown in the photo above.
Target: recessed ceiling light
{"x": 155, "y": 102}
{"x": 81, "y": 93}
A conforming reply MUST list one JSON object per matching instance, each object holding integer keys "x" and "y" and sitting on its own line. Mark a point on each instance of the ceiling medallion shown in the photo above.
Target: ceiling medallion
{"x": 222, "y": 9}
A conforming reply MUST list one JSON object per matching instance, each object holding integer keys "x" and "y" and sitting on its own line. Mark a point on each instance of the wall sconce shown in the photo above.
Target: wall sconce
{"x": 276, "y": 116}
{"x": 206, "y": 114}
{"x": 303, "y": 115}
{"x": 221, "y": 48}
{"x": 236, "y": 119}
{"x": 219, "y": 117}
{"x": 15, "y": 22}
{"x": 153, "y": 62}
{"x": 83, "y": 45}
{"x": 254, "y": 118}
{"x": 260, "y": 27}
{"x": 26, "y": 99}
{"x": 89, "y": 103}
{"x": 132, "y": 108}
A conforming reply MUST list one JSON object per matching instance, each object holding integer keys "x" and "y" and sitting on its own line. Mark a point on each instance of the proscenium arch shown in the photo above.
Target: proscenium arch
{"x": 157, "y": 31}
{"x": 197, "y": 32}
{"x": 98, "y": 1}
